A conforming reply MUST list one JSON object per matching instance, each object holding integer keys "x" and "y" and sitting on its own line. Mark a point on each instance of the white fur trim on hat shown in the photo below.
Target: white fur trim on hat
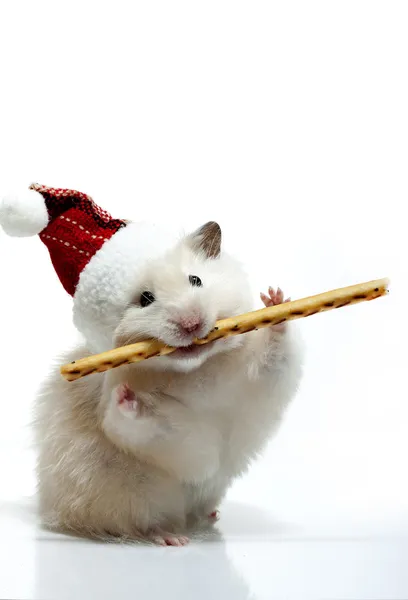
{"x": 102, "y": 293}
{"x": 23, "y": 215}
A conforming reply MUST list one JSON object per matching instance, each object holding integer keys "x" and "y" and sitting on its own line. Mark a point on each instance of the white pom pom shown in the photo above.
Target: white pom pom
{"x": 23, "y": 215}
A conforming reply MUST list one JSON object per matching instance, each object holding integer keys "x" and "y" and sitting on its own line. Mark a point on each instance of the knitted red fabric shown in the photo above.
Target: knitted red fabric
{"x": 77, "y": 229}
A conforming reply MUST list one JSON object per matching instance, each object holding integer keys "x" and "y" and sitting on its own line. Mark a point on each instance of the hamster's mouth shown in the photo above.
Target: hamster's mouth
{"x": 190, "y": 351}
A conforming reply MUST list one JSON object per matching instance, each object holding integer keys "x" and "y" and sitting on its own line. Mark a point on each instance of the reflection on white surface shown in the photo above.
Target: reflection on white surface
{"x": 251, "y": 556}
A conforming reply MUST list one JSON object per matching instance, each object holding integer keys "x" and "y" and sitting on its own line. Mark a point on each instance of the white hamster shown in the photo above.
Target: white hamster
{"x": 148, "y": 451}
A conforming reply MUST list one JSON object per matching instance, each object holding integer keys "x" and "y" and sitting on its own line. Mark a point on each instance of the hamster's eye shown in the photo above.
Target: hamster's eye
{"x": 146, "y": 298}
{"x": 196, "y": 281}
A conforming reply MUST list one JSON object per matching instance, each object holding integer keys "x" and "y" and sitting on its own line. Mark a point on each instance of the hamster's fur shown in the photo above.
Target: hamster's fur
{"x": 200, "y": 416}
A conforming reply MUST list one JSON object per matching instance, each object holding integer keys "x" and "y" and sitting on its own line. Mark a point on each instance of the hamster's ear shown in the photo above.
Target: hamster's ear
{"x": 207, "y": 239}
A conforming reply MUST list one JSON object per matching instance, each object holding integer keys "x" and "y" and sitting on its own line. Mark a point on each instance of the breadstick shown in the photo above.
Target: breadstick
{"x": 257, "y": 319}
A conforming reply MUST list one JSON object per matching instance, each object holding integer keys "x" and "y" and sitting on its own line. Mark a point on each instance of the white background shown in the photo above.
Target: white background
{"x": 287, "y": 123}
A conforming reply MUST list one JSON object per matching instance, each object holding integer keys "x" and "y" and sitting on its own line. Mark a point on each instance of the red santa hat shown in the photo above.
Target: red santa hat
{"x": 69, "y": 223}
{"x": 95, "y": 256}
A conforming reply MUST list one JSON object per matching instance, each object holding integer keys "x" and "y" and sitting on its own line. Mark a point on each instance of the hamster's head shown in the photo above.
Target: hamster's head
{"x": 181, "y": 295}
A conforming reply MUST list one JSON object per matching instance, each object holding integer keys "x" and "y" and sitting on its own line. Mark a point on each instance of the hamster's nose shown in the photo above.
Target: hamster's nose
{"x": 190, "y": 324}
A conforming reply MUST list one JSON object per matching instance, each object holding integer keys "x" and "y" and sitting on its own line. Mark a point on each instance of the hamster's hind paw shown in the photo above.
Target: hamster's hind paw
{"x": 163, "y": 538}
{"x": 214, "y": 516}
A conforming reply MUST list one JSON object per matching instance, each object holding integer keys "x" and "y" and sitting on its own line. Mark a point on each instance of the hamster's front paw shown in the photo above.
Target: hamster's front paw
{"x": 274, "y": 298}
{"x": 126, "y": 401}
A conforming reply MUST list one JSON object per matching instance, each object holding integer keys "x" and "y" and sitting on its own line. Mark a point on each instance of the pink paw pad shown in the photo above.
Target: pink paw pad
{"x": 273, "y": 298}
{"x": 127, "y": 401}
{"x": 214, "y": 515}
{"x": 162, "y": 538}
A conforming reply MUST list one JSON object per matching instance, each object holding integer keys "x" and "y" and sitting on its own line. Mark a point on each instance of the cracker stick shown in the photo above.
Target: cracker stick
{"x": 265, "y": 317}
